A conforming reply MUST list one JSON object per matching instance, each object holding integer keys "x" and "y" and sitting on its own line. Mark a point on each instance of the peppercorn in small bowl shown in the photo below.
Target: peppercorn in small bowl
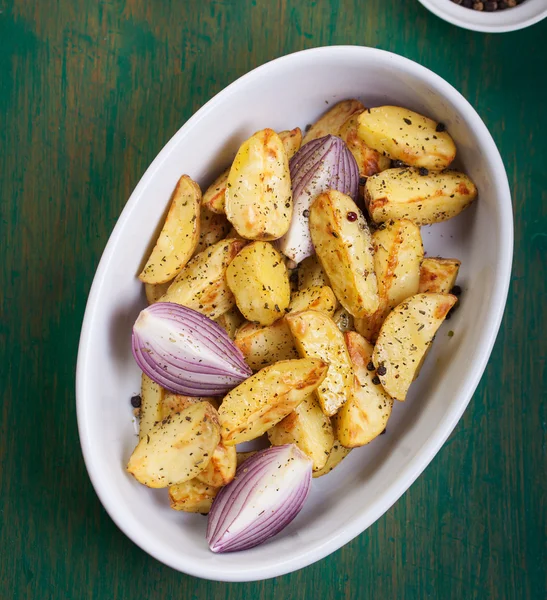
{"x": 489, "y": 16}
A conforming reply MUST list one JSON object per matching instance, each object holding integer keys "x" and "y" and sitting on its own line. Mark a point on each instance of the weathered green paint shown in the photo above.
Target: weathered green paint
{"x": 90, "y": 91}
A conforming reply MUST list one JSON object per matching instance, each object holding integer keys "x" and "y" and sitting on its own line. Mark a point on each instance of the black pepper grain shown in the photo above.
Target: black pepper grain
{"x": 376, "y": 380}
{"x": 370, "y": 366}
{"x": 441, "y": 126}
{"x": 381, "y": 370}
{"x": 136, "y": 401}
{"x": 423, "y": 171}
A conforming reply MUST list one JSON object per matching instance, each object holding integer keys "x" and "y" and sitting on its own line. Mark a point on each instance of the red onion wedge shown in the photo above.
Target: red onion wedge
{"x": 320, "y": 165}
{"x": 267, "y": 493}
{"x": 186, "y": 352}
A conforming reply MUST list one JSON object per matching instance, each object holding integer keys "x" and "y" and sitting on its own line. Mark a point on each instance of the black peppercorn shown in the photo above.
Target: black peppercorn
{"x": 376, "y": 380}
{"x": 424, "y": 171}
{"x": 456, "y": 290}
{"x": 398, "y": 164}
{"x": 381, "y": 370}
{"x": 441, "y": 126}
{"x": 136, "y": 401}
{"x": 306, "y": 213}
{"x": 370, "y": 366}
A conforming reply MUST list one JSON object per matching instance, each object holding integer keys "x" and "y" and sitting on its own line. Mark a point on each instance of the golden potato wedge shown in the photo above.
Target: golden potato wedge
{"x": 152, "y": 395}
{"x": 201, "y": 285}
{"x": 438, "y": 275}
{"x": 192, "y": 496}
{"x": 343, "y": 320}
{"x": 308, "y": 428}
{"x": 261, "y": 401}
{"x": 259, "y": 281}
{"x": 263, "y": 346}
{"x": 331, "y": 121}
{"x": 258, "y": 199}
{"x": 177, "y": 448}
{"x": 292, "y": 140}
{"x": 154, "y": 291}
{"x": 243, "y": 456}
{"x": 314, "y": 298}
{"x": 311, "y": 273}
{"x": 231, "y": 321}
{"x": 364, "y": 416}
{"x": 214, "y": 196}
{"x": 405, "y": 135}
{"x": 221, "y": 468}
{"x": 344, "y": 249}
{"x": 423, "y": 199}
{"x": 317, "y": 336}
{"x": 368, "y": 160}
{"x": 404, "y": 338}
{"x": 398, "y": 253}
{"x": 175, "y": 403}
{"x": 179, "y": 237}
{"x": 336, "y": 456}
{"x": 213, "y": 227}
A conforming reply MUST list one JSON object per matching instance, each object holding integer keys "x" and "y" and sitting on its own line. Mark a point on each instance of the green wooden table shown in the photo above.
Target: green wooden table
{"x": 90, "y": 91}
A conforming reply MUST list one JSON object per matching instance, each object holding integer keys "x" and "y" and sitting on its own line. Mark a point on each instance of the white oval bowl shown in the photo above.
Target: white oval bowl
{"x": 282, "y": 94}
{"x": 501, "y": 21}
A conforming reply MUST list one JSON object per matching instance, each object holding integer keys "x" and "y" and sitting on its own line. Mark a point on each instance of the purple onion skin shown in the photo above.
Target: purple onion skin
{"x": 282, "y": 476}
{"x": 323, "y": 164}
{"x": 186, "y": 352}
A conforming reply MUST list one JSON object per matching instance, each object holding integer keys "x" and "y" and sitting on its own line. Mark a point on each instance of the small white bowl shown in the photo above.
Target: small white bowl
{"x": 500, "y": 21}
{"x": 282, "y": 94}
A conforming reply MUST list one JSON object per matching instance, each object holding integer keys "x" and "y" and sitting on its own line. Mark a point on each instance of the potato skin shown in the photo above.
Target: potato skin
{"x": 423, "y": 199}
{"x": 259, "y": 281}
{"x": 438, "y": 275}
{"x": 264, "y": 346}
{"x": 317, "y": 336}
{"x": 308, "y": 428}
{"x": 331, "y": 121}
{"x": 258, "y": 198}
{"x": 344, "y": 249}
{"x": 177, "y": 448}
{"x": 405, "y": 337}
{"x": 261, "y": 401}
{"x": 179, "y": 235}
{"x": 364, "y": 416}
{"x": 408, "y": 136}
{"x": 214, "y": 196}
{"x": 201, "y": 285}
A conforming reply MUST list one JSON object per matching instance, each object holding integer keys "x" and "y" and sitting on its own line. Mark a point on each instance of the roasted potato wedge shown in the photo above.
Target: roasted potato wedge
{"x": 317, "y": 336}
{"x": 368, "y": 160}
{"x": 343, "y": 320}
{"x": 258, "y": 198}
{"x": 438, "y": 275}
{"x": 336, "y": 456}
{"x": 221, "y": 468}
{"x": 175, "y": 403}
{"x": 364, "y": 416}
{"x": 405, "y": 135}
{"x": 308, "y": 428}
{"x": 398, "y": 253}
{"x": 261, "y": 401}
{"x": 311, "y": 273}
{"x": 154, "y": 291}
{"x": 331, "y": 121}
{"x": 263, "y": 346}
{"x": 259, "y": 281}
{"x": 213, "y": 227}
{"x": 404, "y": 338}
{"x": 344, "y": 249}
{"x": 314, "y": 298}
{"x": 152, "y": 395}
{"x": 213, "y": 199}
{"x": 192, "y": 496}
{"x": 179, "y": 237}
{"x": 243, "y": 456}
{"x": 292, "y": 140}
{"x": 423, "y": 199}
{"x": 201, "y": 285}
{"x": 231, "y": 321}
{"x": 177, "y": 448}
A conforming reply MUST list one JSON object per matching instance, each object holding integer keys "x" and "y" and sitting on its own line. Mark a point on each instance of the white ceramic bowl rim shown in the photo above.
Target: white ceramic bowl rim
{"x": 511, "y": 19}
{"x": 430, "y": 447}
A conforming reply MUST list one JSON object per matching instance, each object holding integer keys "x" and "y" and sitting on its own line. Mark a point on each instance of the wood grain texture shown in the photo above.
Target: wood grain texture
{"x": 90, "y": 91}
